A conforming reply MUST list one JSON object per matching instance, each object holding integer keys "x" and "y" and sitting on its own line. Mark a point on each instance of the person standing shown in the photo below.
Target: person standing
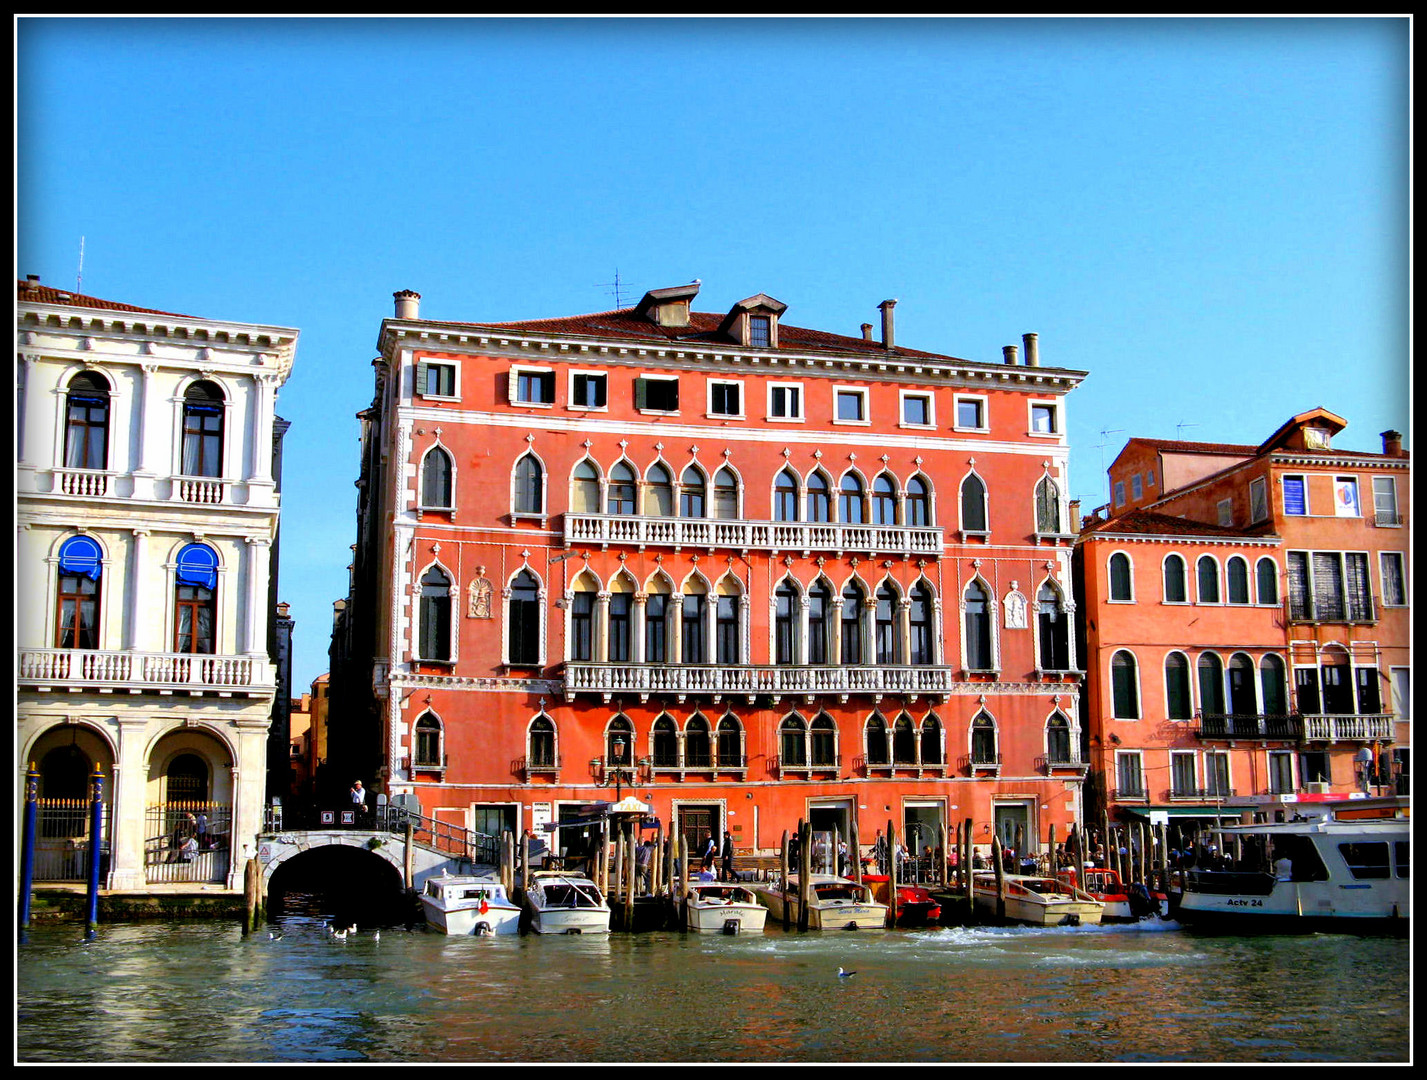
{"x": 359, "y": 801}
{"x": 710, "y": 853}
{"x": 879, "y": 852}
{"x": 644, "y": 859}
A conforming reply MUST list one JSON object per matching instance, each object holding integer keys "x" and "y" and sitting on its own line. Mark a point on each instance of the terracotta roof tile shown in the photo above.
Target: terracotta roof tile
{"x": 1150, "y": 523}
{"x": 1176, "y": 446}
{"x": 35, "y": 293}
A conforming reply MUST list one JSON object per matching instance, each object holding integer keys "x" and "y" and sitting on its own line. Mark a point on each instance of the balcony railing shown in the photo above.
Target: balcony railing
{"x": 1250, "y": 726}
{"x": 1306, "y": 609}
{"x": 749, "y": 680}
{"x": 92, "y": 669}
{"x": 1362, "y": 728}
{"x": 1198, "y": 794}
{"x": 752, "y": 535}
{"x": 90, "y": 483}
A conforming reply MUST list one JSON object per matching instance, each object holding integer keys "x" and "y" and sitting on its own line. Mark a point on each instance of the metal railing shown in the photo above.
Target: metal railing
{"x": 62, "y": 839}
{"x": 752, "y": 535}
{"x": 442, "y": 836}
{"x": 188, "y": 842}
{"x": 1250, "y": 726}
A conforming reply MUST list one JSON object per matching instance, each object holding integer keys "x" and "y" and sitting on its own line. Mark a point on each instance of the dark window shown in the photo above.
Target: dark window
{"x": 428, "y": 741}
{"x": 1338, "y": 688}
{"x": 819, "y": 502}
{"x": 759, "y": 331}
{"x": 1124, "y": 684}
{"x": 824, "y": 740}
{"x": 1267, "y": 573}
{"x": 785, "y": 497}
{"x": 920, "y": 625}
{"x": 542, "y": 743}
{"x": 1211, "y": 684}
{"x": 1359, "y": 589}
{"x": 1176, "y": 685}
{"x": 785, "y": 401}
{"x": 850, "y": 405}
{"x": 666, "y": 743}
{"x": 435, "y": 627}
{"x": 726, "y": 399}
{"x": 1174, "y": 586}
{"x": 889, "y": 637}
{"x": 904, "y": 741}
{"x": 1242, "y": 698}
{"x": 931, "y": 741}
{"x": 1369, "y": 691}
{"x": 1305, "y": 685}
{"x": 785, "y": 630}
{"x": 1275, "y": 692}
{"x": 658, "y": 394}
{"x": 655, "y": 629}
{"x": 691, "y": 494}
{"x": 916, "y": 410}
{"x": 792, "y": 747}
{"x": 436, "y": 479}
{"x": 727, "y": 630}
{"x": 851, "y": 506}
{"x": 973, "y": 504}
{"x": 819, "y": 624}
{"x": 1367, "y": 860}
{"x": 1120, "y": 577}
{"x": 1394, "y": 581}
{"x": 693, "y": 629}
{"x": 968, "y": 413}
{"x": 620, "y": 499}
{"x": 620, "y": 612}
{"x": 983, "y": 740}
{"x": 1208, "y": 575}
{"x": 884, "y": 501}
{"x": 582, "y": 621}
{"x": 436, "y": 380}
{"x": 730, "y": 743}
{"x": 535, "y": 387}
{"x": 1047, "y": 507}
{"x": 589, "y": 391}
{"x": 1237, "y": 573}
{"x": 978, "y": 629}
{"x": 696, "y": 743}
{"x": 918, "y": 503}
{"x": 619, "y": 741}
{"x": 1054, "y": 629}
{"x": 852, "y": 605}
{"x": 529, "y": 485}
{"x": 203, "y": 430}
{"x": 86, "y": 441}
{"x": 524, "y": 619}
{"x": 1057, "y": 739}
{"x": 876, "y": 740}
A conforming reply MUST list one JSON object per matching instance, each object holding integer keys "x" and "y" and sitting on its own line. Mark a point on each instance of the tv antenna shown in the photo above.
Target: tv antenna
{"x": 79, "y": 277}
{"x": 616, "y": 287}
{"x": 1179, "y": 429}
{"x": 1105, "y": 441}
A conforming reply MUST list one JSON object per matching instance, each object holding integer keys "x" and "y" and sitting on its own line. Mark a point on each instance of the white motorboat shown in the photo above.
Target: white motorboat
{"x": 836, "y": 903}
{"x": 465, "y": 905}
{"x": 1037, "y": 901}
{"x": 1334, "y": 874}
{"x": 720, "y": 908}
{"x": 562, "y": 902}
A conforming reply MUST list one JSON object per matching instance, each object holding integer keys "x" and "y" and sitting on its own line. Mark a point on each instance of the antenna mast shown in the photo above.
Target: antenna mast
{"x": 79, "y": 277}
{"x": 616, "y": 287}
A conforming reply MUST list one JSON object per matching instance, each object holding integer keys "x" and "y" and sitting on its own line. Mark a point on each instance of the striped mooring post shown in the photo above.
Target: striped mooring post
{"x": 96, "y": 822}
{"x": 27, "y": 848}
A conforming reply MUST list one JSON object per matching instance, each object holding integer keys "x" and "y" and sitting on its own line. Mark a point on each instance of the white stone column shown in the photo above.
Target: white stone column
{"x": 638, "y": 615}
{"x": 674, "y": 644}
{"x": 129, "y": 806}
{"x": 141, "y": 603}
{"x": 904, "y": 630}
{"x": 31, "y": 420}
{"x": 600, "y": 630}
{"x": 256, "y": 601}
{"x": 800, "y": 647}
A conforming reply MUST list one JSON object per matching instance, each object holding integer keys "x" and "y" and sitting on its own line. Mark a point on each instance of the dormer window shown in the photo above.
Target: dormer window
{"x": 760, "y": 331}
{"x": 753, "y": 322}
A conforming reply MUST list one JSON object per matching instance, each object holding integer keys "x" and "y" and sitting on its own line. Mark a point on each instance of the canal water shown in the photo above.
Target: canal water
{"x": 202, "y": 992}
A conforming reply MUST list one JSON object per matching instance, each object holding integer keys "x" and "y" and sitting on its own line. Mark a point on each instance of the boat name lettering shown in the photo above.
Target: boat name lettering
{"x": 1245, "y": 903}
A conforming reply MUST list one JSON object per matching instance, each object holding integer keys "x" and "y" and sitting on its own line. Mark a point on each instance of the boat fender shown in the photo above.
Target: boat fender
{"x": 482, "y": 930}
{"x": 851, "y": 926}
{"x": 730, "y": 926}
{"x": 573, "y": 930}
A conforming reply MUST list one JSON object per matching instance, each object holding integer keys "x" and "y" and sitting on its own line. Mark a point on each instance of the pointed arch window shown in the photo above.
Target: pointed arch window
{"x": 820, "y": 626}
{"x": 691, "y": 494}
{"x": 203, "y": 430}
{"x": 919, "y": 512}
{"x": 77, "y": 602}
{"x": 620, "y": 497}
{"x": 725, "y": 495}
{"x": 695, "y": 604}
{"x": 195, "y": 609}
{"x": 884, "y": 501}
{"x": 973, "y": 504}
{"x": 730, "y": 743}
{"x": 931, "y": 740}
{"x": 851, "y": 624}
{"x": 727, "y": 630}
{"x": 529, "y": 486}
{"x": 819, "y": 501}
{"x": 585, "y": 489}
{"x": 1047, "y": 506}
{"x": 823, "y": 736}
{"x": 658, "y": 493}
{"x": 86, "y": 437}
{"x": 426, "y": 752}
{"x": 978, "y": 629}
{"x": 876, "y": 736}
{"x": 852, "y": 501}
{"x": 1211, "y": 685}
{"x": 1178, "y": 702}
{"x": 619, "y": 742}
{"x": 697, "y": 753}
{"x": 1124, "y": 686}
{"x": 542, "y": 743}
{"x": 656, "y": 628}
{"x": 792, "y": 742}
{"x": 904, "y": 741}
{"x": 621, "y": 617}
{"x": 582, "y": 625}
{"x": 1054, "y": 629}
{"x": 1057, "y": 740}
{"x": 524, "y": 625}
{"x": 785, "y": 497}
{"x": 889, "y": 630}
{"x": 434, "y": 640}
{"x": 785, "y": 637}
{"x": 983, "y": 740}
{"x": 665, "y": 739}
{"x": 436, "y": 475}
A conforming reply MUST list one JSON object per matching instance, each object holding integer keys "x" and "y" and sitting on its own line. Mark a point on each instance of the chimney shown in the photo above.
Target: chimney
{"x": 1008, "y": 352}
{"x": 888, "y": 340}
{"x": 32, "y": 282}
{"x": 408, "y": 304}
{"x": 867, "y": 331}
{"x": 1074, "y": 513}
{"x": 1033, "y": 355}
{"x": 1392, "y": 443}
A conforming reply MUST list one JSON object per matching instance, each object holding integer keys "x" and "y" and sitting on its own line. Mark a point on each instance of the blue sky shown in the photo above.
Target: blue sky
{"x": 1210, "y": 217}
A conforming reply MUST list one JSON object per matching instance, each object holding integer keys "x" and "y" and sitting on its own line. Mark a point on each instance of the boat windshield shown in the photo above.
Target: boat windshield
{"x": 834, "y": 891}
{"x": 562, "y": 894}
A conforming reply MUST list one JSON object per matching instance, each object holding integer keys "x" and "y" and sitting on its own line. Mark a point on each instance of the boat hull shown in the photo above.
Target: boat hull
{"x": 569, "y": 920}
{"x": 829, "y": 915}
{"x": 1031, "y": 908}
{"x": 1300, "y": 907}
{"x": 715, "y": 918}
{"x": 469, "y": 920}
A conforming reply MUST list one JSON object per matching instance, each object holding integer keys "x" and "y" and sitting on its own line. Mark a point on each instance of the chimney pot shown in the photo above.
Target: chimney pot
{"x": 408, "y": 304}
{"x": 1392, "y": 443}
{"x": 1033, "y": 355}
{"x": 867, "y": 331}
{"x": 888, "y": 338}
{"x": 1008, "y": 353}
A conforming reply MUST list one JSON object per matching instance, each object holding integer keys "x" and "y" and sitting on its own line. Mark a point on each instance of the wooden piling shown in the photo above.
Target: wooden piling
{"x": 656, "y": 877}
{"x": 1000, "y": 878}
{"x": 805, "y": 872}
{"x": 966, "y": 861}
{"x": 892, "y": 876}
{"x": 783, "y": 879}
{"x": 683, "y": 844}
{"x": 618, "y": 862}
{"x": 252, "y": 895}
{"x": 524, "y": 861}
{"x": 855, "y": 846}
{"x": 1054, "y": 866}
{"x": 631, "y": 875}
{"x": 943, "y": 855}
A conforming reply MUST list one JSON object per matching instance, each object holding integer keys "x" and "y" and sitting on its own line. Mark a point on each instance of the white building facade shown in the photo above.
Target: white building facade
{"x": 146, "y": 513}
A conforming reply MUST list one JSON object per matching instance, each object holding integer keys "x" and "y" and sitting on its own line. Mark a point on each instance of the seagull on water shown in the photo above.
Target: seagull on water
{"x": 845, "y": 974}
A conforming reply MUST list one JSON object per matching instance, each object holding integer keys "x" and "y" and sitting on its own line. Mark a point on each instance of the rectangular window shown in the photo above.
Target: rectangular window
{"x": 435, "y": 380}
{"x": 1119, "y": 493}
{"x": 760, "y": 331}
{"x": 725, "y": 399}
{"x": 785, "y": 402}
{"x": 1216, "y": 774}
{"x": 1327, "y": 585}
{"x": 1044, "y": 420}
{"x": 1149, "y": 478}
{"x": 1401, "y": 692}
{"x": 970, "y": 414}
{"x": 1258, "y": 500}
{"x": 1129, "y": 777}
{"x": 1384, "y": 501}
{"x": 1181, "y": 774}
{"x": 1305, "y": 685}
{"x": 1345, "y": 497}
{"x": 587, "y": 391}
{"x": 532, "y": 387}
{"x": 917, "y": 410}
{"x": 1137, "y": 487}
{"x": 850, "y": 406}
{"x": 1280, "y": 772}
{"x": 1313, "y": 767}
{"x": 1226, "y": 512}
{"x": 656, "y": 395}
{"x": 1369, "y": 681}
{"x": 1295, "y": 496}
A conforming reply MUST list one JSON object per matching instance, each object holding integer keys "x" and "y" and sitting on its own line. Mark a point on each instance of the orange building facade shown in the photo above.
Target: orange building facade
{"x": 1246, "y": 624}
{"x": 747, "y": 572}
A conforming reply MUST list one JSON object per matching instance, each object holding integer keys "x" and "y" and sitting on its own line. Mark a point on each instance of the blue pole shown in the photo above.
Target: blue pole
{"x": 96, "y": 821}
{"x": 27, "y": 848}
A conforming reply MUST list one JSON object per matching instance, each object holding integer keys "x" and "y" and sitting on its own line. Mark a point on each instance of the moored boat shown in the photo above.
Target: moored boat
{"x": 1123, "y": 903}
{"x": 722, "y": 908}
{"x": 561, "y": 902}
{"x": 1333, "y": 874}
{"x": 915, "y": 904}
{"x": 464, "y": 905}
{"x": 836, "y": 903}
{"x": 1037, "y": 901}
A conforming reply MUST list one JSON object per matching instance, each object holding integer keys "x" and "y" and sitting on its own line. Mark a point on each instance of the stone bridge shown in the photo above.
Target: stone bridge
{"x": 414, "y": 867}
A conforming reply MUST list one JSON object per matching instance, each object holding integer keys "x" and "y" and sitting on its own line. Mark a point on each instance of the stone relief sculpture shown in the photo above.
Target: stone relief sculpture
{"x": 479, "y": 596}
{"x": 1015, "y": 605}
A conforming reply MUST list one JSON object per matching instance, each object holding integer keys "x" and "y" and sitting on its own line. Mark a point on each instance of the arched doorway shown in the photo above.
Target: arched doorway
{"x": 66, "y": 756}
{"x": 188, "y": 815}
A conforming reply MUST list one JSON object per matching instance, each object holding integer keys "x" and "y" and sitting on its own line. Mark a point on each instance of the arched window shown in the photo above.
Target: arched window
{"x": 1175, "y": 589}
{"x": 585, "y": 488}
{"x": 878, "y": 752}
{"x": 195, "y": 591}
{"x": 77, "y": 604}
{"x": 529, "y": 486}
{"x": 658, "y": 492}
{"x": 785, "y": 636}
{"x": 695, "y": 604}
{"x": 524, "y": 626}
{"x": 792, "y": 744}
{"x": 919, "y": 625}
{"x": 187, "y": 779}
{"x": 1178, "y": 699}
{"x": 851, "y": 503}
{"x": 1120, "y": 581}
{"x": 621, "y": 617}
{"x": 1236, "y": 572}
{"x": 1057, "y": 740}
{"x": 696, "y": 743}
{"x": 851, "y": 620}
{"x": 820, "y": 616}
{"x": 1267, "y": 573}
{"x": 427, "y": 742}
{"x": 542, "y": 743}
{"x": 931, "y": 740}
{"x": 64, "y": 774}
{"x": 1047, "y": 507}
{"x": 904, "y": 741}
{"x": 730, "y": 743}
{"x": 86, "y": 437}
{"x": 1211, "y": 685}
{"x": 619, "y": 742}
{"x": 1207, "y": 571}
{"x": 1242, "y": 698}
{"x": 819, "y": 501}
{"x": 656, "y": 628}
{"x": 889, "y": 630}
{"x": 727, "y": 630}
{"x": 725, "y": 495}
{"x": 666, "y": 743}
{"x": 973, "y": 504}
{"x": 436, "y": 479}
{"x": 203, "y": 430}
{"x": 1337, "y": 674}
{"x": 691, "y": 494}
{"x": 823, "y": 737}
{"x": 434, "y": 640}
{"x": 785, "y": 497}
{"x": 919, "y": 510}
{"x": 620, "y": 497}
{"x": 1054, "y": 629}
{"x": 983, "y": 740}
{"x": 1124, "y": 683}
{"x": 978, "y": 629}
{"x": 884, "y": 501}
{"x": 1275, "y": 686}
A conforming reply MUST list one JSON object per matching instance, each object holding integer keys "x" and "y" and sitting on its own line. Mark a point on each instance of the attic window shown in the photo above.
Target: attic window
{"x": 760, "y": 331}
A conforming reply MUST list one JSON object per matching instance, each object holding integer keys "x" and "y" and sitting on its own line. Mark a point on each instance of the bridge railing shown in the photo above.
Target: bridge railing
{"x": 443, "y": 836}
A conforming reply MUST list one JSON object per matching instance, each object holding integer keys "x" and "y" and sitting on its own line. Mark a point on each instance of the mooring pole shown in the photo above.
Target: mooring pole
{"x": 892, "y": 875}
{"x": 805, "y": 872}
{"x": 96, "y": 823}
{"x": 783, "y": 878}
{"x": 27, "y": 847}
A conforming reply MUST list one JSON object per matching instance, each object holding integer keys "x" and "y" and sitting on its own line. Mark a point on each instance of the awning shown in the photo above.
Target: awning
{"x": 1222, "y": 813}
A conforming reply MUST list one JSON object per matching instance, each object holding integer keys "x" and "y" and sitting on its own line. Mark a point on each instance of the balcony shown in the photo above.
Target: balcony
{"x": 137, "y": 672}
{"x": 769, "y": 536}
{"x": 1199, "y": 795}
{"x": 1250, "y": 726}
{"x": 1305, "y": 609}
{"x": 905, "y": 766}
{"x": 785, "y": 767}
{"x": 1064, "y": 763}
{"x": 751, "y": 681}
{"x": 1365, "y": 728}
{"x": 89, "y": 483}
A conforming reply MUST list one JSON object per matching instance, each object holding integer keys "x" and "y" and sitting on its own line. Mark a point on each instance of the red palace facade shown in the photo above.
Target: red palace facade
{"x": 747, "y": 572}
